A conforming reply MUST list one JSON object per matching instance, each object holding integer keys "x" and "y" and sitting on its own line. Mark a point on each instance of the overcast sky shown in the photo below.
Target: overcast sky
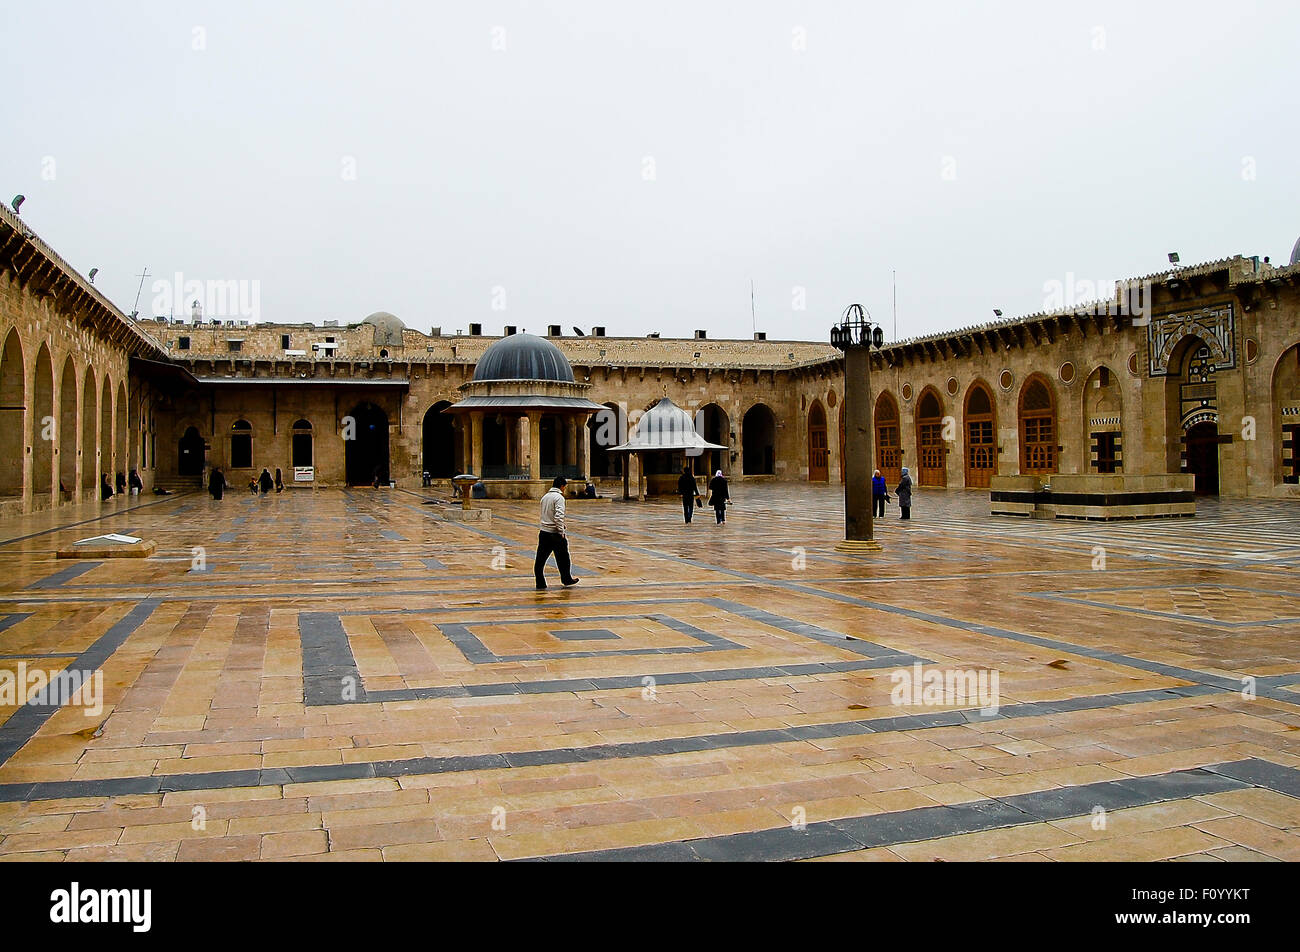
{"x": 636, "y": 165}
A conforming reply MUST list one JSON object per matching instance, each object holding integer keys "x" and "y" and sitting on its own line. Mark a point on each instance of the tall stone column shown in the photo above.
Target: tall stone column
{"x": 475, "y": 431}
{"x": 534, "y": 445}
{"x": 858, "y": 528}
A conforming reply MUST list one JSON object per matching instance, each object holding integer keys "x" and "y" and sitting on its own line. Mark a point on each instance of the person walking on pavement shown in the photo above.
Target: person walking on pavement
{"x": 279, "y": 480}
{"x": 719, "y": 496}
{"x": 687, "y": 489}
{"x": 216, "y": 483}
{"x": 904, "y": 494}
{"x": 265, "y": 482}
{"x": 879, "y": 494}
{"x": 553, "y": 536}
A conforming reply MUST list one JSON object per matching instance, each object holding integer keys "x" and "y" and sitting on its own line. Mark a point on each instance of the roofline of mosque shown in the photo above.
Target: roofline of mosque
{"x": 144, "y": 342}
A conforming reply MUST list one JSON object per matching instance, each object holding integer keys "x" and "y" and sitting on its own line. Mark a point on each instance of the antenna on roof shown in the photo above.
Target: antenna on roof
{"x": 135, "y": 309}
{"x": 753, "y": 317}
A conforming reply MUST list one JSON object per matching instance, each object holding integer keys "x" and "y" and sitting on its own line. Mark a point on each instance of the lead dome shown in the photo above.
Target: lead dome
{"x": 523, "y": 357}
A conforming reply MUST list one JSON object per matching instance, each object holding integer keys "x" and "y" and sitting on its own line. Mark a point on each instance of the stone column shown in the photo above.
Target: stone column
{"x": 858, "y": 435}
{"x": 571, "y": 441}
{"x": 521, "y": 440}
{"x": 534, "y": 445}
{"x": 584, "y": 447}
{"x": 634, "y": 466}
{"x": 474, "y": 429}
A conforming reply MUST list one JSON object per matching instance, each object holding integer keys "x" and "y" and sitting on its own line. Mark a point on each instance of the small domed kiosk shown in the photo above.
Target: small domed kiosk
{"x": 665, "y": 439}
{"x": 524, "y": 418}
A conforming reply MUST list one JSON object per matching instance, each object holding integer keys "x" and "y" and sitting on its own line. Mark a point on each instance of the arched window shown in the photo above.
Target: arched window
{"x": 302, "y": 443}
{"x": 241, "y": 445}
{"x": 1038, "y": 453}
{"x": 930, "y": 448}
{"x": 981, "y": 436}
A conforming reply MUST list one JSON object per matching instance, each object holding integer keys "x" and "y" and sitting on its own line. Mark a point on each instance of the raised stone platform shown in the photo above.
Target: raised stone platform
{"x": 1094, "y": 496}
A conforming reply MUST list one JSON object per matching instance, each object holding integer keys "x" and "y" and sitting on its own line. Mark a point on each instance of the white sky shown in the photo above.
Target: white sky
{"x": 1086, "y": 138}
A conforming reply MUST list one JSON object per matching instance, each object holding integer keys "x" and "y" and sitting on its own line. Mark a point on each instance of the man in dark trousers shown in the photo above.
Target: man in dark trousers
{"x": 687, "y": 489}
{"x": 553, "y": 536}
{"x": 879, "y": 494}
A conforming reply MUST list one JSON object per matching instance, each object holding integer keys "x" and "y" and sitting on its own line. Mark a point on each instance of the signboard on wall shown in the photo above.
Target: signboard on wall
{"x": 304, "y": 474}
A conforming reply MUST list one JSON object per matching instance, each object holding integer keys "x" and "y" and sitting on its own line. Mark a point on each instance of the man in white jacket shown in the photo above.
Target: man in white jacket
{"x": 553, "y": 536}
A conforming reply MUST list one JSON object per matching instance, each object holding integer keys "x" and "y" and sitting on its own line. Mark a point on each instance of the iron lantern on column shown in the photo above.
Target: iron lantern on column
{"x": 856, "y": 335}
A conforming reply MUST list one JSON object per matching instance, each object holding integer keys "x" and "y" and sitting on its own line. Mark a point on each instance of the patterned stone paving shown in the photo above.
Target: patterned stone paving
{"x": 344, "y": 675}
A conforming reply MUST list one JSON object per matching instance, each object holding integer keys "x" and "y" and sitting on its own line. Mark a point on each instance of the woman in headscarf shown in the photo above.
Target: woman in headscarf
{"x": 216, "y": 483}
{"x": 904, "y": 494}
{"x": 718, "y": 487}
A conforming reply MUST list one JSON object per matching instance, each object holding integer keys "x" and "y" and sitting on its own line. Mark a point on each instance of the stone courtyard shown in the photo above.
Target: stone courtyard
{"x": 344, "y": 675}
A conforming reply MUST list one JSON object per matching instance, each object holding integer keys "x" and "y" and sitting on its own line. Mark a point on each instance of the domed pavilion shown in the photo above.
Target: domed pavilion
{"x": 524, "y": 418}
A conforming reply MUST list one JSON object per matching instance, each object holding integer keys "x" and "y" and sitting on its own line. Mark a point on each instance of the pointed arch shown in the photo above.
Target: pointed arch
{"x": 89, "y": 431}
{"x": 1038, "y": 433}
{"x": 106, "y": 428}
{"x": 439, "y": 444}
{"x": 818, "y": 448}
{"x": 931, "y": 451}
{"x": 13, "y": 415}
{"x": 889, "y": 449}
{"x": 981, "y": 432}
{"x": 1286, "y": 406}
{"x": 67, "y": 397}
{"x": 121, "y": 462}
{"x": 43, "y": 429}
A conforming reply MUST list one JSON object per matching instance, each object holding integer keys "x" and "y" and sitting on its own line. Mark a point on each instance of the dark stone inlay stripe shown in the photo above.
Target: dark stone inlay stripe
{"x": 23, "y": 724}
{"x": 13, "y": 618}
{"x": 327, "y": 660}
{"x": 66, "y": 574}
{"x": 588, "y": 684}
{"x": 575, "y": 755}
{"x": 927, "y": 823}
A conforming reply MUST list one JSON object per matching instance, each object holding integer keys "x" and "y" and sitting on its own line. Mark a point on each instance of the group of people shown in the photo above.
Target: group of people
{"x": 880, "y": 494}
{"x": 262, "y": 484}
{"x": 719, "y": 495}
{"x": 133, "y": 483}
